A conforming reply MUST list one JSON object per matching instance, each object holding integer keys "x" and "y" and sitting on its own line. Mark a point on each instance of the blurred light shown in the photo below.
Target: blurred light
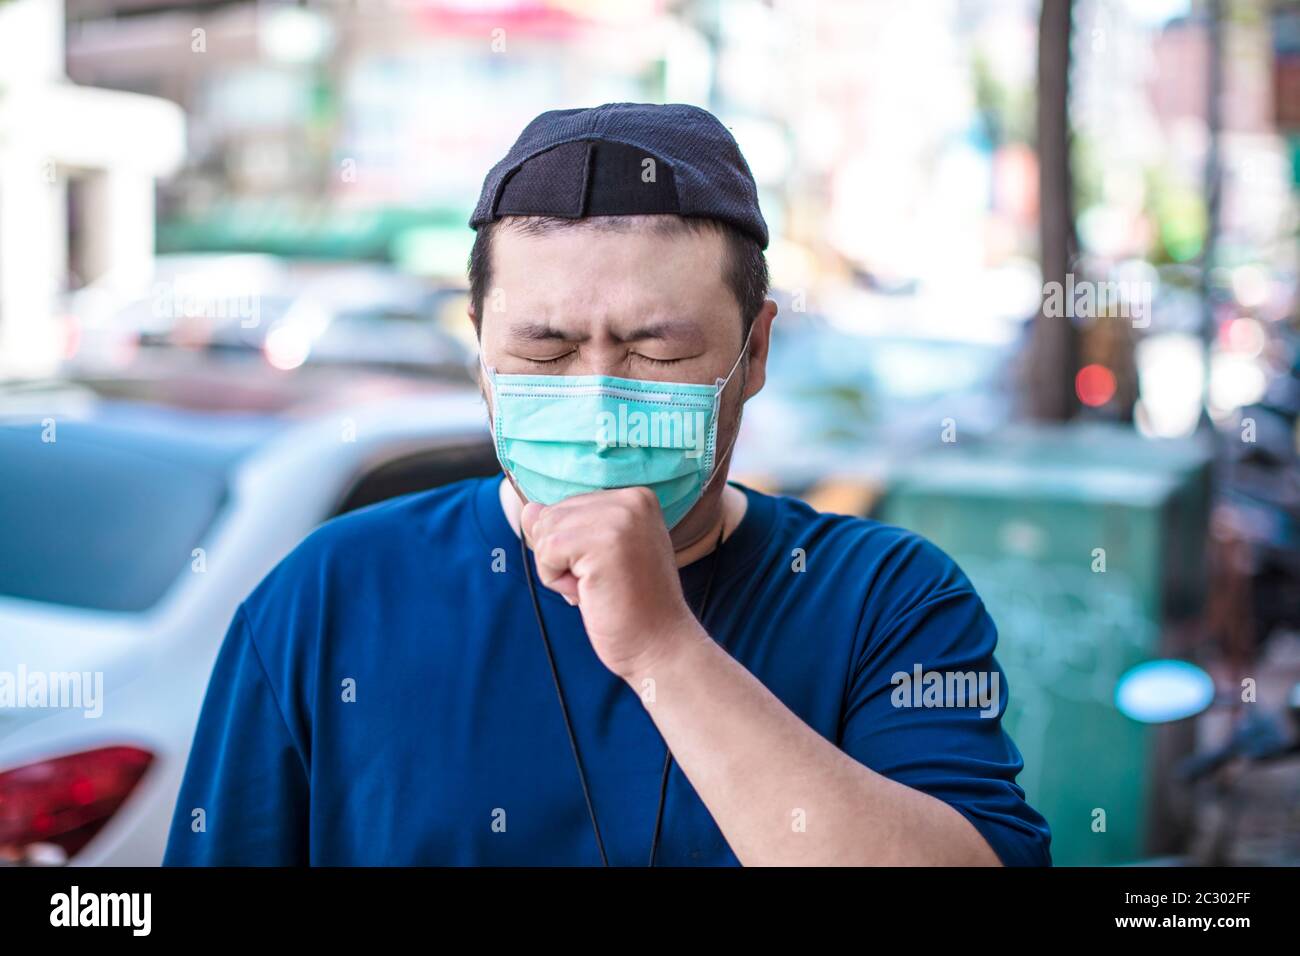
{"x": 308, "y": 318}
{"x": 1013, "y": 290}
{"x": 1106, "y": 230}
{"x": 1095, "y": 385}
{"x": 1138, "y": 273}
{"x": 1164, "y": 690}
{"x": 72, "y": 336}
{"x": 792, "y": 265}
{"x": 1250, "y": 286}
{"x": 287, "y": 346}
{"x": 1171, "y": 377}
{"x": 1181, "y": 212}
{"x": 688, "y": 64}
{"x": 1245, "y": 336}
{"x": 765, "y": 147}
{"x": 295, "y": 35}
{"x": 1156, "y": 13}
{"x": 1235, "y": 380}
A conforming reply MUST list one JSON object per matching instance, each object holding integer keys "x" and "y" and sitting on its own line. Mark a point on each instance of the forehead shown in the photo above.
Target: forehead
{"x": 588, "y": 274}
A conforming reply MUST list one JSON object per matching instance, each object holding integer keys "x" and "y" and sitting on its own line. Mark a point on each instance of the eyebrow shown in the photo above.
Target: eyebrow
{"x": 542, "y": 332}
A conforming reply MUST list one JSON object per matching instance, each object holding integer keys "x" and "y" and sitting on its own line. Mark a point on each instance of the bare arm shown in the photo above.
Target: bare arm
{"x": 780, "y": 792}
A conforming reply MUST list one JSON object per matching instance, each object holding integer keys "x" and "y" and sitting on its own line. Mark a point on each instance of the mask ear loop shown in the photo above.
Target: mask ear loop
{"x": 744, "y": 350}
{"x": 717, "y": 410}
{"x": 494, "y": 426}
{"x": 490, "y": 374}
{"x": 490, "y": 377}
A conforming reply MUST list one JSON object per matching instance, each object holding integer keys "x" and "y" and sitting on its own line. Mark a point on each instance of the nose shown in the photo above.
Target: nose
{"x": 602, "y": 358}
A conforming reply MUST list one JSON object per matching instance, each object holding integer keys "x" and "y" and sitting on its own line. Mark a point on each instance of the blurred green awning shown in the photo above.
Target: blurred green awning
{"x": 428, "y": 241}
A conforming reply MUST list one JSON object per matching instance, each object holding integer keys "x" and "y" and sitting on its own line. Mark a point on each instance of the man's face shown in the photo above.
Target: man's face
{"x": 635, "y": 303}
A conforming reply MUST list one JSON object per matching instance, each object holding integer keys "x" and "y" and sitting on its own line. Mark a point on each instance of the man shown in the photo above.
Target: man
{"x": 667, "y": 669}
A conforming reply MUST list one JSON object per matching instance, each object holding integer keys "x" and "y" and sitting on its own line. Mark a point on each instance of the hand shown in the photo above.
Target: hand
{"x": 609, "y": 553}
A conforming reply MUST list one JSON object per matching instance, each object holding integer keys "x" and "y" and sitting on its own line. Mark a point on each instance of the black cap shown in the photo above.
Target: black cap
{"x": 593, "y": 162}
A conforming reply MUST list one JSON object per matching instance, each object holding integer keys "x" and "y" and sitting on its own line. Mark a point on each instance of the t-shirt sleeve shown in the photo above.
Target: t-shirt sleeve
{"x": 244, "y": 798}
{"x": 925, "y": 704}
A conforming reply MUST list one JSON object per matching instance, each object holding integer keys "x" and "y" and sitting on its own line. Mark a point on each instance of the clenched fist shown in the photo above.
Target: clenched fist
{"x": 609, "y": 553}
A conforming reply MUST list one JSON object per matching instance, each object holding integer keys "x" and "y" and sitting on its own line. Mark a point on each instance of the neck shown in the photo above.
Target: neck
{"x": 728, "y": 509}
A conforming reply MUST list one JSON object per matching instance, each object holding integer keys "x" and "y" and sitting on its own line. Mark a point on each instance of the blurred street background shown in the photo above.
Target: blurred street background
{"x": 1037, "y": 274}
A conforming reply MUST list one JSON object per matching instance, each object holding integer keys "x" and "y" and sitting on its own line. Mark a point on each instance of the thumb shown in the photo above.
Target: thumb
{"x": 528, "y": 518}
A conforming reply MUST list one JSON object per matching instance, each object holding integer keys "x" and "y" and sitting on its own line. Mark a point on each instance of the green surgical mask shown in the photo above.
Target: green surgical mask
{"x": 563, "y": 435}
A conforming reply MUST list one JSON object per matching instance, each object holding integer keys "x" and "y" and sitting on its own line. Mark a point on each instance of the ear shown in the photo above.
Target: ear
{"x": 760, "y": 338}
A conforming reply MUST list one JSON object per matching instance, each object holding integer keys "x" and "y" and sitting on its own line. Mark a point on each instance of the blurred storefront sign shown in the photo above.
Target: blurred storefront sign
{"x": 555, "y": 17}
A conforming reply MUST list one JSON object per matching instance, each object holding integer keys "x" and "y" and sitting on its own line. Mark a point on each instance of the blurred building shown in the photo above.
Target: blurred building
{"x": 358, "y": 130}
{"x": 68, "y": 153}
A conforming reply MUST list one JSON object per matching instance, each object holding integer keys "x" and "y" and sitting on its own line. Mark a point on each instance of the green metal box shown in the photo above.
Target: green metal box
{"x": 1084, "y": 543}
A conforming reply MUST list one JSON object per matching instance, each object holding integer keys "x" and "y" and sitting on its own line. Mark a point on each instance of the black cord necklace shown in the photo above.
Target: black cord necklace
{"x": 564, "y": 707}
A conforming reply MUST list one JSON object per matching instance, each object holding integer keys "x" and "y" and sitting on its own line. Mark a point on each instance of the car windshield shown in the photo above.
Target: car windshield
{"x": 104, "y": 516}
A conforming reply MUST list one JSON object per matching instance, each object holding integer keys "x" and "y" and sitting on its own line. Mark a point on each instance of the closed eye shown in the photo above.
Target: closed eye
{"x": 656, "y": 361}
{"x": 548, "y": 361}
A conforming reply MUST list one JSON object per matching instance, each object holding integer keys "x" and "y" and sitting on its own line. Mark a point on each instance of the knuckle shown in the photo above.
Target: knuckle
{"x": 641, "y": 497}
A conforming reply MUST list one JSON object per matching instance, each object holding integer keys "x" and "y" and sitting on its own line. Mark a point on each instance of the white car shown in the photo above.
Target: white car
{"x": 130, "y": 530}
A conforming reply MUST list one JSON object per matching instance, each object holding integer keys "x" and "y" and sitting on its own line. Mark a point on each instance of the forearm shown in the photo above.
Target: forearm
{"x": 780, "y": 792}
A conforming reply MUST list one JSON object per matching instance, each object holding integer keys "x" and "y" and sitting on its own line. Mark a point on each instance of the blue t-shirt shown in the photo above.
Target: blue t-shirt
{"x": 383, "y": 697}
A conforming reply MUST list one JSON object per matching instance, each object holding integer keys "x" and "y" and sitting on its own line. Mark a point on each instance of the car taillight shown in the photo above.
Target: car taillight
{"x": 59, "y": 804}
